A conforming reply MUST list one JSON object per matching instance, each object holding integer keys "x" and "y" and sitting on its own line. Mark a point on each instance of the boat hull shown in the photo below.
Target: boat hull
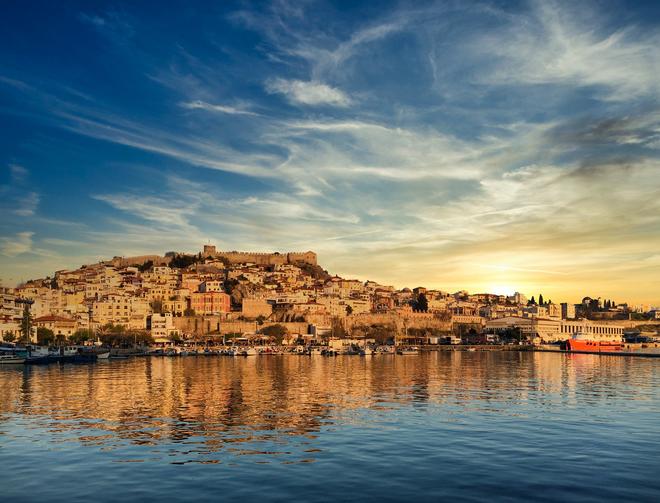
{"x": 593, "y": 346}
{"x": 12, "y": 360}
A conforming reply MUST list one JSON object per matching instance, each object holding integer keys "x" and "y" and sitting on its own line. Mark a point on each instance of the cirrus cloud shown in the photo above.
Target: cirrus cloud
{"x": 313, "y": 93}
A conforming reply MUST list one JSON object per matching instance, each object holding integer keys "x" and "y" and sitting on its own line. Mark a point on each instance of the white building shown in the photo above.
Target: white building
{"x": 162, "y": 327}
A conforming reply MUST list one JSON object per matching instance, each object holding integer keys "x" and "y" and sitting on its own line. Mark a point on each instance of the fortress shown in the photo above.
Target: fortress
{"x": 234, "y": 257}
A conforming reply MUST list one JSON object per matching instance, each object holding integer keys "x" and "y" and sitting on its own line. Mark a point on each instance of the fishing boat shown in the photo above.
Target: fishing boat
{"x": 62, "y": 353}
{"x": 37, "y": 355}
{"x": 407, "y": 351}
{"x": 85, "y": 355}
{"x": 600, "y": 343}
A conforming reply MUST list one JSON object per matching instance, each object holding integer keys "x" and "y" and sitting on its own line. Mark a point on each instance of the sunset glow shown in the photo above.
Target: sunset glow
{"x": 509, "y": 147}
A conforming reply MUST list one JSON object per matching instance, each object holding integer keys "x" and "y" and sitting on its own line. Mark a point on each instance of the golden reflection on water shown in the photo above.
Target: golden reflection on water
{"x": 233, "y": 404}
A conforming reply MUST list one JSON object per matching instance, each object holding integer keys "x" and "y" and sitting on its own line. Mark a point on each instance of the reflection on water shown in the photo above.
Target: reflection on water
{"x": 471, "y": 413}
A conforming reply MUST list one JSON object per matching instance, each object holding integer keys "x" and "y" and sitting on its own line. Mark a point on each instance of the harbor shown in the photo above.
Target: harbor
{"x": 36, "y": 355}
{"x": 210, "y": 424}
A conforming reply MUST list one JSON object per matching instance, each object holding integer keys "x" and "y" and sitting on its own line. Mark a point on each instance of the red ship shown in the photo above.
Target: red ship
{"x": 594, "y": 343}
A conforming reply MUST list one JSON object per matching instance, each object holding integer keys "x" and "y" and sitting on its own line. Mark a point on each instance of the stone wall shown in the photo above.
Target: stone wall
{"x": 219, "y": 325}
{"x": 139, "y": 260}
{"x": 414, "y": 320}
{"x": 235, "y": 257}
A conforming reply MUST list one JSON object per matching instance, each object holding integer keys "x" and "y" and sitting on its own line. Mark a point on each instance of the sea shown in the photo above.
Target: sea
{"x": 437, "y": 426}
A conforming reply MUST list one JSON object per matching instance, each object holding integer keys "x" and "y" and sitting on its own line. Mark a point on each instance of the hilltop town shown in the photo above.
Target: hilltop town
{"x": 214, "y": 293}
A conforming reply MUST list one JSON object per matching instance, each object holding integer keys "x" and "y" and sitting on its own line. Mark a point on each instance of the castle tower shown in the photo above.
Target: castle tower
{"x": 209, "y": 251}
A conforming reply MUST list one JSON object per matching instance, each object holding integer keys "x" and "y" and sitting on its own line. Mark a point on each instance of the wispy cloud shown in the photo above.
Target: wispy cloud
{"x": 15, "y": 245}
{"x": 308, "y": 92}
{"x": 16, "y": 197}
{"x": 224, "y": 109}
{"x": 559, "y": 43}
{"x": 444, "y": 144}
{"x": 115, "y": 25}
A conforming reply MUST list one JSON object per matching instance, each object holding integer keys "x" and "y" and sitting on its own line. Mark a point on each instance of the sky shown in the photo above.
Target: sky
{"x": 488, "y": 146}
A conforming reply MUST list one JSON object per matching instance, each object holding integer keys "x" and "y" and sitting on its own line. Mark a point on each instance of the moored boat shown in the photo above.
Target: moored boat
{"x": 37, "y": 355}
{"x": 11, "y": 360}
{"x": 407, "y": 351}
{"x": 594, "y": 343}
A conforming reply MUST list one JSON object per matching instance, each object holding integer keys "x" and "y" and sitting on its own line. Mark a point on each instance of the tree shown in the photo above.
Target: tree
{"x": 26, "y": 324}
{"x": 349, "y": 310}
{"x": 512, "y": 333}
{"x": 382, "y": 334}
{"x": 45, "y": 336}
{"x": 9, "y": 336}
{"x": 81, "y": 335}
{"x": 189, "y": 312}
{"x": 540, "y": 299}
{"x": 146, "y": 266}
{"x": 260, "y": 319}
{"x": 183, "y": 261}
{"x": 125, "y": 339}
{"x": 229, "y": 285}
{"x": 276, "y": 331}
{"x": 157, "y": 306}
{"x": 422, "y": 303}
{"x": 338, "y": 329}
{"x": 531, "y": 302}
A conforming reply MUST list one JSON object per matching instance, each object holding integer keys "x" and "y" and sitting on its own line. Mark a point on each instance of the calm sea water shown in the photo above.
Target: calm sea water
{"x": 454, "y": 426}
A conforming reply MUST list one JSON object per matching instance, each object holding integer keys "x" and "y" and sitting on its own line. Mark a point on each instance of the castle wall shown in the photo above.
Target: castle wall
{"x": 138, "y": 260}
{"x": 306, "y": 257}
{"x": 234, "y": 257}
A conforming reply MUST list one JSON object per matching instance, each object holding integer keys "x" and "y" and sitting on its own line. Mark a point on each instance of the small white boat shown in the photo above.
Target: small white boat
{"x": 407, "y": 351}
{"x": 11, "y": 360}
{"x": 367, "y": 351}
{"x": 103, "y": 356}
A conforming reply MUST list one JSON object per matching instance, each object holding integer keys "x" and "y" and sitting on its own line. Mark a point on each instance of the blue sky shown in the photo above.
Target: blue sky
{"x": 487, "y": 145}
